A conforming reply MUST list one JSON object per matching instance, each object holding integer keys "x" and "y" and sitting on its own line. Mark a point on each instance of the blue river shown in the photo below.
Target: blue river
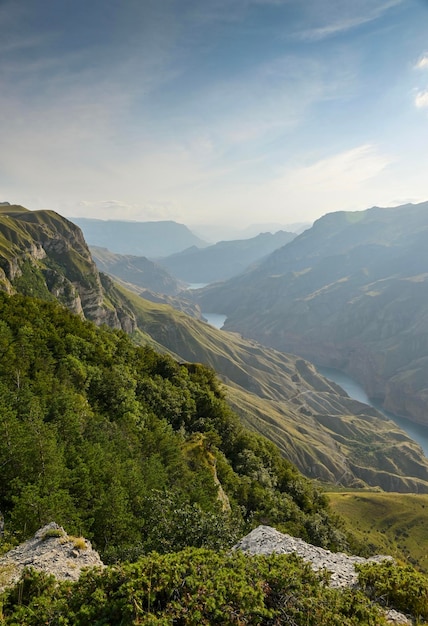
{"x": 417, "y": 432}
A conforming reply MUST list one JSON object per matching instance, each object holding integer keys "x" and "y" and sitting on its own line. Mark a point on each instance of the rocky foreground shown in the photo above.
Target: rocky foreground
{"x": 53, "y": 551}
{"x": 268, "y": 540}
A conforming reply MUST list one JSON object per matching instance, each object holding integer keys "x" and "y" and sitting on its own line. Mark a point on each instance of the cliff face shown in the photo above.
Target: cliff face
{"x": 43, "y": 254}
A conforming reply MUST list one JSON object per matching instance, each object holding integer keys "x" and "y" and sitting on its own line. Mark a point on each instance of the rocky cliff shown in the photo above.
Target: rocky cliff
{"x": 44, "y": 255}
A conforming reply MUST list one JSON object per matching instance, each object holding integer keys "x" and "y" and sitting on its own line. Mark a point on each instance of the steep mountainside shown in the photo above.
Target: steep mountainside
{"x": 149, "y": 239}
{"x": 349, "y": 293}
{"x": 314, "y": 423}
{"x": 224, "y": 259}
{"x": 44, "y": 255}
{"x": 136, "y": 272}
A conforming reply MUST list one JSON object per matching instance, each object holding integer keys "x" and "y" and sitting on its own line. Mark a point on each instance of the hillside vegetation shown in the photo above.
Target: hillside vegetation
{"x": 386, "y": 523}
{"x": 317, "y": 427}
{"x": 128, "y": 447}
{"x": 192, "y": 587}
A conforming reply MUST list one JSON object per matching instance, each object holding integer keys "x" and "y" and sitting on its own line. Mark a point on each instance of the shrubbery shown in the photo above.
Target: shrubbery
{"x": 400, "y": 587}
{"x": 123, "y": 445}
{"x": 194, "y": 587}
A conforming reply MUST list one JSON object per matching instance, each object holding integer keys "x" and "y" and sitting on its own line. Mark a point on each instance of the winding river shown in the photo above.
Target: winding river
{"x": 417, "y": 432}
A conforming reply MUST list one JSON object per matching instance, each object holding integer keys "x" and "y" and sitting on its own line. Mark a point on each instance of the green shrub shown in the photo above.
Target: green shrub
{"x": 194, "y": 587}
{"x": 396, "y": 586}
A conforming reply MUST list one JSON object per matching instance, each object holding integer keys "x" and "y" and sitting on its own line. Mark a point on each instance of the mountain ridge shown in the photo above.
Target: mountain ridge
{"x": 149, "y": 239}
{"x": 348, "y": 293}
{"x": 314, "y": 423}
{"x": 223, "y": 259}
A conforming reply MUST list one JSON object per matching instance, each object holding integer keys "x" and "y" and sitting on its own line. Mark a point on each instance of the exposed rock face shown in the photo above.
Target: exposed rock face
{"x": 268, "y": 540}
{"x": 51, "y": 550}
{"x": 55, "y": 254}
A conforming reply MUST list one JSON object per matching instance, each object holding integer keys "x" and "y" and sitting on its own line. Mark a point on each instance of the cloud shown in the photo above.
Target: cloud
{"x": 343, "y": 180}
{"x": 422, "y": 63}
{"x": 339, "y": 16}
{"x": 421, "y": 99}
{"x": 336, "y": 176}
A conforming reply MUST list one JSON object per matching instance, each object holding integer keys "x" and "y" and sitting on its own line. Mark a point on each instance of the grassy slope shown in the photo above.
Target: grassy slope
{"x": 326, "y": 435}
{"x": 390, "y": 523}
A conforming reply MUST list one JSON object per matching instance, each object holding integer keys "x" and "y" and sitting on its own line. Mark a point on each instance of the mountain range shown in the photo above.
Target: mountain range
{"x": 349, "y": 293}
{"x": 149, "y": 239}
{"x": 223, "y": 259}
{"x": 314, "y": 423}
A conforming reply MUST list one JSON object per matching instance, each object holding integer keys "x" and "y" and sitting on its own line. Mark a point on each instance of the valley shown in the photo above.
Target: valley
{"x": 326, "y": 434}
{"x": 217, "y": 436}
{"x": 348, "y": 293}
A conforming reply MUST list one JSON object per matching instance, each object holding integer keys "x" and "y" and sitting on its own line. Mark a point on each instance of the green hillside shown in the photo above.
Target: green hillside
{"x": 314, "y": 423}
{"x": 327, "y": 435}
{"x": 128, "y": 447}
{"x": 386, "y": 523}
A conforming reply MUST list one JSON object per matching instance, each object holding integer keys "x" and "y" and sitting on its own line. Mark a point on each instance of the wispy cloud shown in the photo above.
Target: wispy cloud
{"x": 422, "y": 63}
{"x": 341, "y": 16}
{"x": 346, "y": 168}
{"x": 421, "y": 100}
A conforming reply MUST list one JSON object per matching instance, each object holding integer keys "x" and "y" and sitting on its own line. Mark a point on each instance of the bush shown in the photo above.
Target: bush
{"x": 396, "y": 586}
{"x": 193, "y": 587}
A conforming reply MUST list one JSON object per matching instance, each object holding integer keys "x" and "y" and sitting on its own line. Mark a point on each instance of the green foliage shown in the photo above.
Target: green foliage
{"x": 192, "y": 587}
{"x": 127, "y": 447}
{"x": 53, "y": 533}
{"x": 31, "y": 282}
{"x": 399, "y": 587}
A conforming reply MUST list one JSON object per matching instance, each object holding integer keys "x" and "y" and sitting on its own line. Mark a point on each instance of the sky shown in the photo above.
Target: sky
{"x": 213, "y": 112}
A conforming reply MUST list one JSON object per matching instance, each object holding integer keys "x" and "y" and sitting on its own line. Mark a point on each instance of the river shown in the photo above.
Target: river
{"x": 215, "y": 319}
{"x": 417, "y": 432}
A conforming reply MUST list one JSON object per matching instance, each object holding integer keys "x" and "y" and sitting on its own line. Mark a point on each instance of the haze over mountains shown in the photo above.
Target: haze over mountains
{"x": 223, "y": 259}
{"x": 315, "y": 424}
{"x": 350, "y": 293}
{"x": 191, "y": 260}
{"x": 149, "y": 239}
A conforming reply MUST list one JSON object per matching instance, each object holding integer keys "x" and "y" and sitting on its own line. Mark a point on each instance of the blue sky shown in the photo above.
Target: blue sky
{"x": 213, "y": 111}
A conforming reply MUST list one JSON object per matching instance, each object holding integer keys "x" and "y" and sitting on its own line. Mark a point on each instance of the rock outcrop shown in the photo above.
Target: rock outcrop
{"x": 51, "y": 550}
{"x": 268, "y": 540}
